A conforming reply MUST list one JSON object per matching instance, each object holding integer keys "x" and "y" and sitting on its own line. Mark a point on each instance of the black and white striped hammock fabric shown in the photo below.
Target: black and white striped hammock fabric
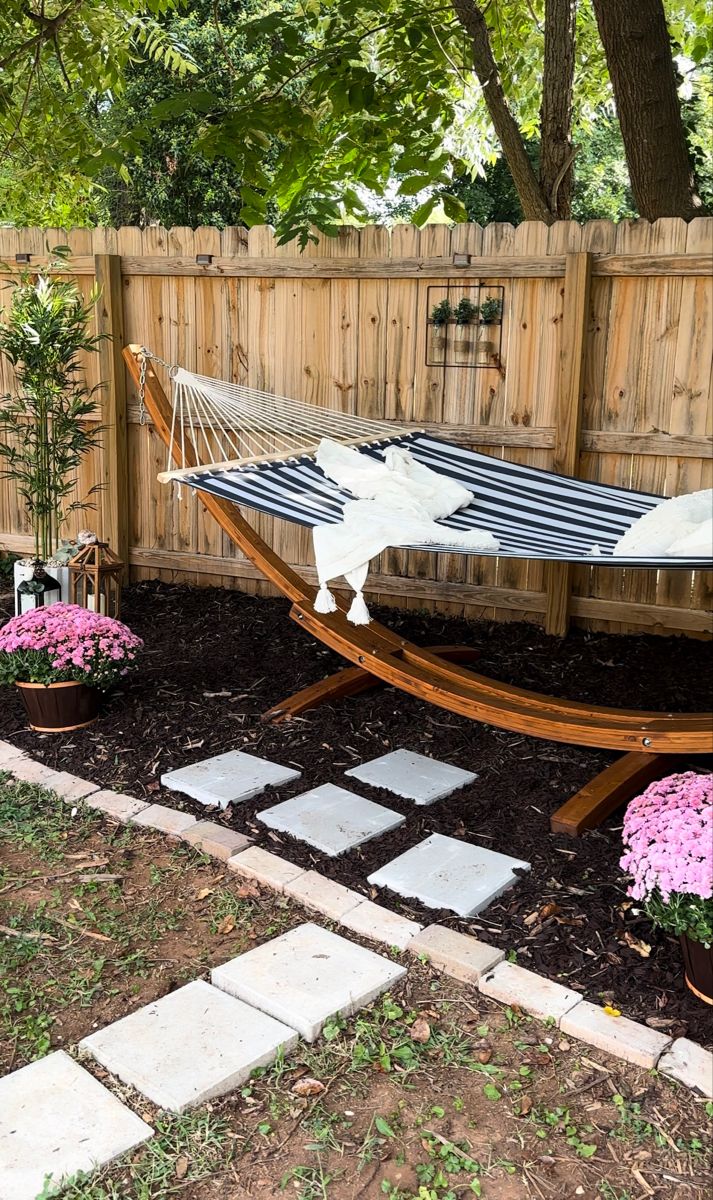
{"x": 260, "y": 454}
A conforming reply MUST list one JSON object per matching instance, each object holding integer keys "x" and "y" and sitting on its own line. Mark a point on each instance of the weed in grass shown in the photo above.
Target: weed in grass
{"x": 635, "y": 1126}
{"x": 607, "y": 1192}
{"x": 449, "y": 1171}
{"x": 311, "y": 1182}
{"x": 375, "y": 1142}
{"x": 558, "y": 1120}
{"x": 382, "y": 1038}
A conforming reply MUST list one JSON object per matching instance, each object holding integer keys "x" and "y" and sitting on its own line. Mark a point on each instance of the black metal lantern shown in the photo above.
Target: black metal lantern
{"x": 39, "y": 590}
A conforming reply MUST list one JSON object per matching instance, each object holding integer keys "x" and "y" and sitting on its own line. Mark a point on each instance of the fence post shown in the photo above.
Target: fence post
{"x": 568, "y": 419}
{"x": 114, "y": 497}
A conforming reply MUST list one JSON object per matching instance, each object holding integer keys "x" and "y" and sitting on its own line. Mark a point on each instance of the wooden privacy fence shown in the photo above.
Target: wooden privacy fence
{"x": 604, "y": 371}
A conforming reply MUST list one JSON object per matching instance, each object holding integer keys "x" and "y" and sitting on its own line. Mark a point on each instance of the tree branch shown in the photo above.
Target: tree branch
{"x": 556, "y": 158}
{"x": 49, "y": 28}
{"x": 534, "y": 204}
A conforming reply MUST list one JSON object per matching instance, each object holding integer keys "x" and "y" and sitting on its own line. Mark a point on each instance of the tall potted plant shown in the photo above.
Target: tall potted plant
{"x": 668, "y": 836}
{"x": 44, "y": 423}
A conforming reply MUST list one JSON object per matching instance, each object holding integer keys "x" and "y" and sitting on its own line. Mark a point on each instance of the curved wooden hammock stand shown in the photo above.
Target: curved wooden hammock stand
{"x": 434, "y": 674}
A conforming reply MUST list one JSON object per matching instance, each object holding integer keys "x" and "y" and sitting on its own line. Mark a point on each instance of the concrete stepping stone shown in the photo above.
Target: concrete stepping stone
{"x": 412, "y": 775}
{"x": 57, "y": 1120}
{"x": 191, "y": 1045}
{"x": 331, "y": 818}
{"x": 444, "y": 872}
{"x": 228, "y": 778}
{"x": 307, "y": 976}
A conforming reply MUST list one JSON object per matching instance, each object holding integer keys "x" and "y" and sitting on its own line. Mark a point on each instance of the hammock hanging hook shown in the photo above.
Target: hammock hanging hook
{"x": 172, "y": 369}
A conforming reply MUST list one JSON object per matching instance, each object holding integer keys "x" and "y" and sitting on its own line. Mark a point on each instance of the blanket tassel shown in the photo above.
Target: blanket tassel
{"x": 324, "y": 601}
{"x": 358, "y": 613}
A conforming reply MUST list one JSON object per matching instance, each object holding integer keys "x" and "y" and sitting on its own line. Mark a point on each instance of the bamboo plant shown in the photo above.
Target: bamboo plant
{"x": 45, "y": 422}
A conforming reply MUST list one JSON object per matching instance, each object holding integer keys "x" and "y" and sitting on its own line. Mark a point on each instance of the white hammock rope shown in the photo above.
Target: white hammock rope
{"x": 232, "y": 426}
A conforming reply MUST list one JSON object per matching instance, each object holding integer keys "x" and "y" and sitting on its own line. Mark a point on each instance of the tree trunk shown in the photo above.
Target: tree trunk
{"x": 530, "y": 194}
{"x": 638, "y": 52}
{"x": 556, "y": 154}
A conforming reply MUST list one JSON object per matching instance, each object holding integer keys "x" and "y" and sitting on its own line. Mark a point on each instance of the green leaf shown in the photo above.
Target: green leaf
{"x": 250, "y": 217}
{"x": 196, "y": 101}
{"x": 454, "y": 208}
{"x": 491, "y": 1092}
{"x": 423, "y": 212}
{"x": 414, "y": 184}
{"x": 384, "y": 1128}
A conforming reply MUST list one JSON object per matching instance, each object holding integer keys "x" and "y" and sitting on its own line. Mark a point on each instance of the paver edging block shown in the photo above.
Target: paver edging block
{"x": 217, "y": 840}
{"x": 115, "y": 804}
{"x": 381, "y": 924}
{"x": 458, "y": 955}
{"x": 619, "y": 1036}
{"x": 10, "y": 754}
{"x": 512, "y": 984}
{"x": 690, "y": 1064}
{"x": 56, "y": 1120}
{"x": 332, "y": 899}
{"x": 264, "y": 867}
{"x": 170, "y": 821}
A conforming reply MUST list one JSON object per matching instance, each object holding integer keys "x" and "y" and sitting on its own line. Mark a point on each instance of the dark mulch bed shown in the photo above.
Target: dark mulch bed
{"x": 215, "y": 660}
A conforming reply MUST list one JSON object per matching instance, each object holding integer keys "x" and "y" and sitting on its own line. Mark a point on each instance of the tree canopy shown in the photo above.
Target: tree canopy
{"x": 308, "y": 112}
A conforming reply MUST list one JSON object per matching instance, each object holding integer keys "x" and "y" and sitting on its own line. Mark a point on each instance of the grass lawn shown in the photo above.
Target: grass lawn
{"x": 434, "y": 1093}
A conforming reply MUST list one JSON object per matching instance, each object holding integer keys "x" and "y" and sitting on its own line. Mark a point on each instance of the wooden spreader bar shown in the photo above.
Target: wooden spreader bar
{"x": 434, "y": 675}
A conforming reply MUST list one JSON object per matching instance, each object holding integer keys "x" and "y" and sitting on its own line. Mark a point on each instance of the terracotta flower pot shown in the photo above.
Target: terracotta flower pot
{"x": 59, "y": 707}
{"x": 698, "y": 961}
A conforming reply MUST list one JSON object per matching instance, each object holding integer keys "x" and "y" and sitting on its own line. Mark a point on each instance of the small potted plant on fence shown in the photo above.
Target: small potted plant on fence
{"x": 466, "y": 315}
{"x": 441, "y": 315}
{"x": 668, "y": 835}
{"x": 44, "y": 424}
{"x": 490, "y": 314}
{"x": 61, "y": 658}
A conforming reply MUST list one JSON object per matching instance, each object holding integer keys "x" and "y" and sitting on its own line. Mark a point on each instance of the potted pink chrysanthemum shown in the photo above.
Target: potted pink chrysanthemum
{"x": 668, "y": 838}
{"x": 61, "y": 658}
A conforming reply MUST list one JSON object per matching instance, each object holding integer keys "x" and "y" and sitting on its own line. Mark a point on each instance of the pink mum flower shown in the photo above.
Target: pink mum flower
{"x": 668, "y": 838}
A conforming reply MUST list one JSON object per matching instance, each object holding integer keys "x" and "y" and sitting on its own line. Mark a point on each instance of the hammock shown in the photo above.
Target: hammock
{"x": 261, "y": 454}
{"x": 284, "y": 482}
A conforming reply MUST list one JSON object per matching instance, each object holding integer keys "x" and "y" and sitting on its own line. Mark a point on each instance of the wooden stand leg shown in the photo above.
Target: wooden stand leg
{"x": 612, "y": 787}
{"x": 351, "y": 681}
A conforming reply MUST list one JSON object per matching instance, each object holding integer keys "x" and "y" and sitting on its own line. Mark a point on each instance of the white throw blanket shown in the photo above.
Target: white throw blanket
{"x": 398, "y": 503}
{"x": 680, "y": 528}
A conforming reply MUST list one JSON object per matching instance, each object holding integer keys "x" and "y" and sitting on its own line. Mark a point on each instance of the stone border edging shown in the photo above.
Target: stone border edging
{"x": 458, "y": 955}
